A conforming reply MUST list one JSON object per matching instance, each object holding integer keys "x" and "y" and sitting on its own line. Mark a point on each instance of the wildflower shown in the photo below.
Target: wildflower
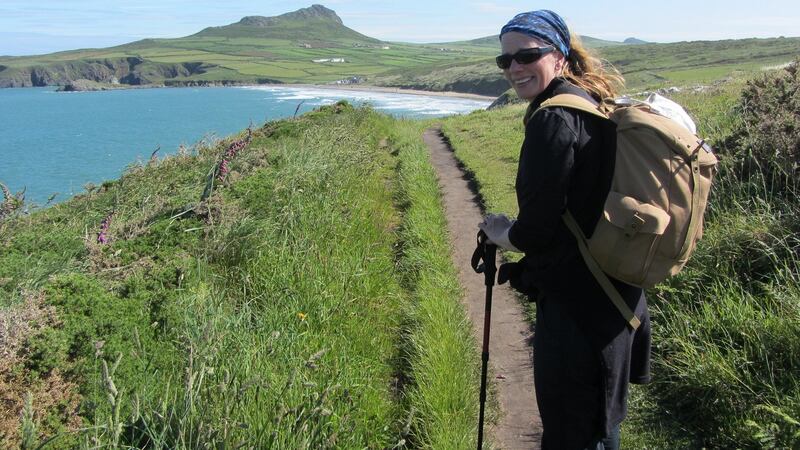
{"x": 223, "y": 170}
{"x": 301, "y": 316}
{"x": 102, "y": 236}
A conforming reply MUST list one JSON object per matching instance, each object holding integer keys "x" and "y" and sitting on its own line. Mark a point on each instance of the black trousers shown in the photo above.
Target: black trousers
{"x": 584, "y": 358}
{"x": 568, "y": 375}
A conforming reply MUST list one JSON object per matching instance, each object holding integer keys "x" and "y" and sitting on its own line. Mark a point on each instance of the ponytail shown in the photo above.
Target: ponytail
{"x": 585, "y": 70}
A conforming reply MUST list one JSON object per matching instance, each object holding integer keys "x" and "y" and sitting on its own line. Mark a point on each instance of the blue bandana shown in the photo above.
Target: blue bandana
{"x": 543, "y": 24}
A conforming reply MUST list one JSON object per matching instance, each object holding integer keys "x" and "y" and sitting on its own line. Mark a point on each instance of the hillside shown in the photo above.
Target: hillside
{"x": 310, "y": 45}
{"x": 313, "y": 24}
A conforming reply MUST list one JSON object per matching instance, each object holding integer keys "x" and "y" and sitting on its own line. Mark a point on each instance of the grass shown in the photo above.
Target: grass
{"x": 725, "y": 330}
{"x": 440, "y": 348}
{"x": 305, "y": 301}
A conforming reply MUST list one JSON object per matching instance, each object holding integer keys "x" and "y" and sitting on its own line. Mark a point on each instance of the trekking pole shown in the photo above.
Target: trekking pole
{"x": 485, "y": 252}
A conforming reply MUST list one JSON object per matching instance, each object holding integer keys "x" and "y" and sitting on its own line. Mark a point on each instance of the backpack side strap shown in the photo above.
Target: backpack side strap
{"x": 598, "y": 273}
{"x": 696, "y": 218}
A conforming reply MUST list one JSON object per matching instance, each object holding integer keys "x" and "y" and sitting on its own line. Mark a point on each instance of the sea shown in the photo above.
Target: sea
{"x": 52, "y": 144}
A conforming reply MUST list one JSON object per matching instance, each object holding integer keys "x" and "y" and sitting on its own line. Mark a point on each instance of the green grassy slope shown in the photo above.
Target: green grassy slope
{"x": 686, "y": 63}
{"x": 291, "y": 299}
{"x": 256, "y": 49}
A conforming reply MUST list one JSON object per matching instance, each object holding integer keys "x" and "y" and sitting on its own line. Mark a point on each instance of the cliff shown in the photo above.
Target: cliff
{"x": 130, "y": 71}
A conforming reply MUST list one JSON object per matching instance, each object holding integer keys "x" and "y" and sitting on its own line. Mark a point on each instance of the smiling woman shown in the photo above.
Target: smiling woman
{"x": 584, "y": 355}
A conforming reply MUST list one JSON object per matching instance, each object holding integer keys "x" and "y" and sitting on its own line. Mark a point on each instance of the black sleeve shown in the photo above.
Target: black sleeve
{"x": 543, "y": 177}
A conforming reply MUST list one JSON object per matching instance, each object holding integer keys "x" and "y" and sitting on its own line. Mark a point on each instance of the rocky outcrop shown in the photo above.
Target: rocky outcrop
{"x": 488, "y": 86}
{"x": 130, "y": 70}
{"x": 14, "y": 78}
{"x": 311, "y": 13}
{"x": 89, "y": 85}
{"x": 82, "y": 86}
{"x": 507, "y": 98}
{"x": 219, "y": 83}
{"x": 479, "y": 86}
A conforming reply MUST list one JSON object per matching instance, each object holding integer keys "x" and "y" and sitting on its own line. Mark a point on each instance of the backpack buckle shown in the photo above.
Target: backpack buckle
{"x": 634, "y": 225}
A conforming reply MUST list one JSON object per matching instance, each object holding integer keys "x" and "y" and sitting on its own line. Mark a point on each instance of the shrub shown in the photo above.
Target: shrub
{"x": 769, "y": 143}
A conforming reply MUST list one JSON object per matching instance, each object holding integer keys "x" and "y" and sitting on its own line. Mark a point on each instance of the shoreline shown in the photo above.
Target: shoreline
{"x": 341, "y": 87}
{"x": 389, "y": 90}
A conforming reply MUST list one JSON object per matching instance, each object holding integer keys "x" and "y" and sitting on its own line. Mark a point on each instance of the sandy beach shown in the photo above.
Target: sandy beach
{"x": 392, "y": 90}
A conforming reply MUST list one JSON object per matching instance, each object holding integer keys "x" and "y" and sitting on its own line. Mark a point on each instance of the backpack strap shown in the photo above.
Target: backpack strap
{"x": 572, "y": 101}
{"x": 598, "y": 273}
{"x": 581, "y": 104}
{"x": 695, "y": 220}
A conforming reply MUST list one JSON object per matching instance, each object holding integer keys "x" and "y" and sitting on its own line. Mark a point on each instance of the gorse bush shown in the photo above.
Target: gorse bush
{"x": 770, "y": 139}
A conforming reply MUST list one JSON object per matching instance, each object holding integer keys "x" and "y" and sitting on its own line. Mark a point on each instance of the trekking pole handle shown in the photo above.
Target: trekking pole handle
{"x": 488, "y": 254}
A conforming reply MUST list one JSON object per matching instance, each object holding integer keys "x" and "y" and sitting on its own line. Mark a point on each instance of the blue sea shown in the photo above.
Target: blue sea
{"x": 54, "y": 143}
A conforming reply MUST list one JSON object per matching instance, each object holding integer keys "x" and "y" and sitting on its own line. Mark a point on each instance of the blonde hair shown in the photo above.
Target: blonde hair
{"x": 592, "y": 74}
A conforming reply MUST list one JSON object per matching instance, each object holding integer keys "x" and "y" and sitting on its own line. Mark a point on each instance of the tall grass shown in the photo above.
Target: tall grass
{"x": 218, "y": 343}
{"x": 442, "y": 396}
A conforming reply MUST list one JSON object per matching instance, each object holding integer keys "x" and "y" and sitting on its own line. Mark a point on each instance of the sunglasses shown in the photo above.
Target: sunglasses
{"x": 524, "y": 56}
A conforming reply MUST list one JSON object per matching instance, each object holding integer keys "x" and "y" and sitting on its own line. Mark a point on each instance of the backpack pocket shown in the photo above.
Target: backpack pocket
{"x": 626, "y": 237}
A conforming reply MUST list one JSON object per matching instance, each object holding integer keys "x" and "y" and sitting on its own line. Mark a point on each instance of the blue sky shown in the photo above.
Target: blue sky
{"x": 43, "y": 26}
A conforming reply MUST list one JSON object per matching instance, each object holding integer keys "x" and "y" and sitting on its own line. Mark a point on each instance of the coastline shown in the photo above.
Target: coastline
{"x": 390, "y": 90}
{"x": 342, "y": 87}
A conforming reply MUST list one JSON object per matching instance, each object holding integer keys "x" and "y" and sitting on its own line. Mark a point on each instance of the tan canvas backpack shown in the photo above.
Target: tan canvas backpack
{"x": 653, "y": 215}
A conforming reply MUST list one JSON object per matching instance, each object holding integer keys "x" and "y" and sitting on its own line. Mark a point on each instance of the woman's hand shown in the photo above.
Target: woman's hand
{"x": 496, "y": 227}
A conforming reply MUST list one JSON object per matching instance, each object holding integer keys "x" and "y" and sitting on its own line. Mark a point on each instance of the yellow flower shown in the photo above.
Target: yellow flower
{"x": 301, "y": 316}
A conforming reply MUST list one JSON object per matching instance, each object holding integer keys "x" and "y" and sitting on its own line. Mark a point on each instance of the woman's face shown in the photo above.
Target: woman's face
{"x": 529, "y": 80}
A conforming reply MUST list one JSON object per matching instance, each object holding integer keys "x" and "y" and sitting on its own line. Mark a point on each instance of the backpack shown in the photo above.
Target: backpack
{"x": 653, "y": 214}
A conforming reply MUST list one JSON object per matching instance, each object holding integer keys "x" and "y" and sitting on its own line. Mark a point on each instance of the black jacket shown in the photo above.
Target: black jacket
{"x": 567, "y": 161}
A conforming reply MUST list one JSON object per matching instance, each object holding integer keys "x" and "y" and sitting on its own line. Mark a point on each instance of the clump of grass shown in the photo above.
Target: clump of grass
{"x": 442, "y": 385}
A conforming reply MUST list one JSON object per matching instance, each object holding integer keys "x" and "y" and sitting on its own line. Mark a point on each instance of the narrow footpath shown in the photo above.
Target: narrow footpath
{"x": 510, "y": 352}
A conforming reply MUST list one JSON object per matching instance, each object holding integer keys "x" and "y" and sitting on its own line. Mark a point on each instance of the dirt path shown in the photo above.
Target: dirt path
{"x": 510, "y": 354}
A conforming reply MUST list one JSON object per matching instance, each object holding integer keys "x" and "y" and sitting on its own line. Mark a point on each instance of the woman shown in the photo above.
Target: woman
{"x": 584, "y": 353}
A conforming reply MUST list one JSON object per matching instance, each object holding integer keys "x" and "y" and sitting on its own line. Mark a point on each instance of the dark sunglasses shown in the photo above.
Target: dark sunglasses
{"x": 524, "y": 56}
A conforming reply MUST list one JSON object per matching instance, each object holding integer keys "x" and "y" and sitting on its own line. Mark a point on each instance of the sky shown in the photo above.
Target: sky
{"x": 43, "y": 26}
